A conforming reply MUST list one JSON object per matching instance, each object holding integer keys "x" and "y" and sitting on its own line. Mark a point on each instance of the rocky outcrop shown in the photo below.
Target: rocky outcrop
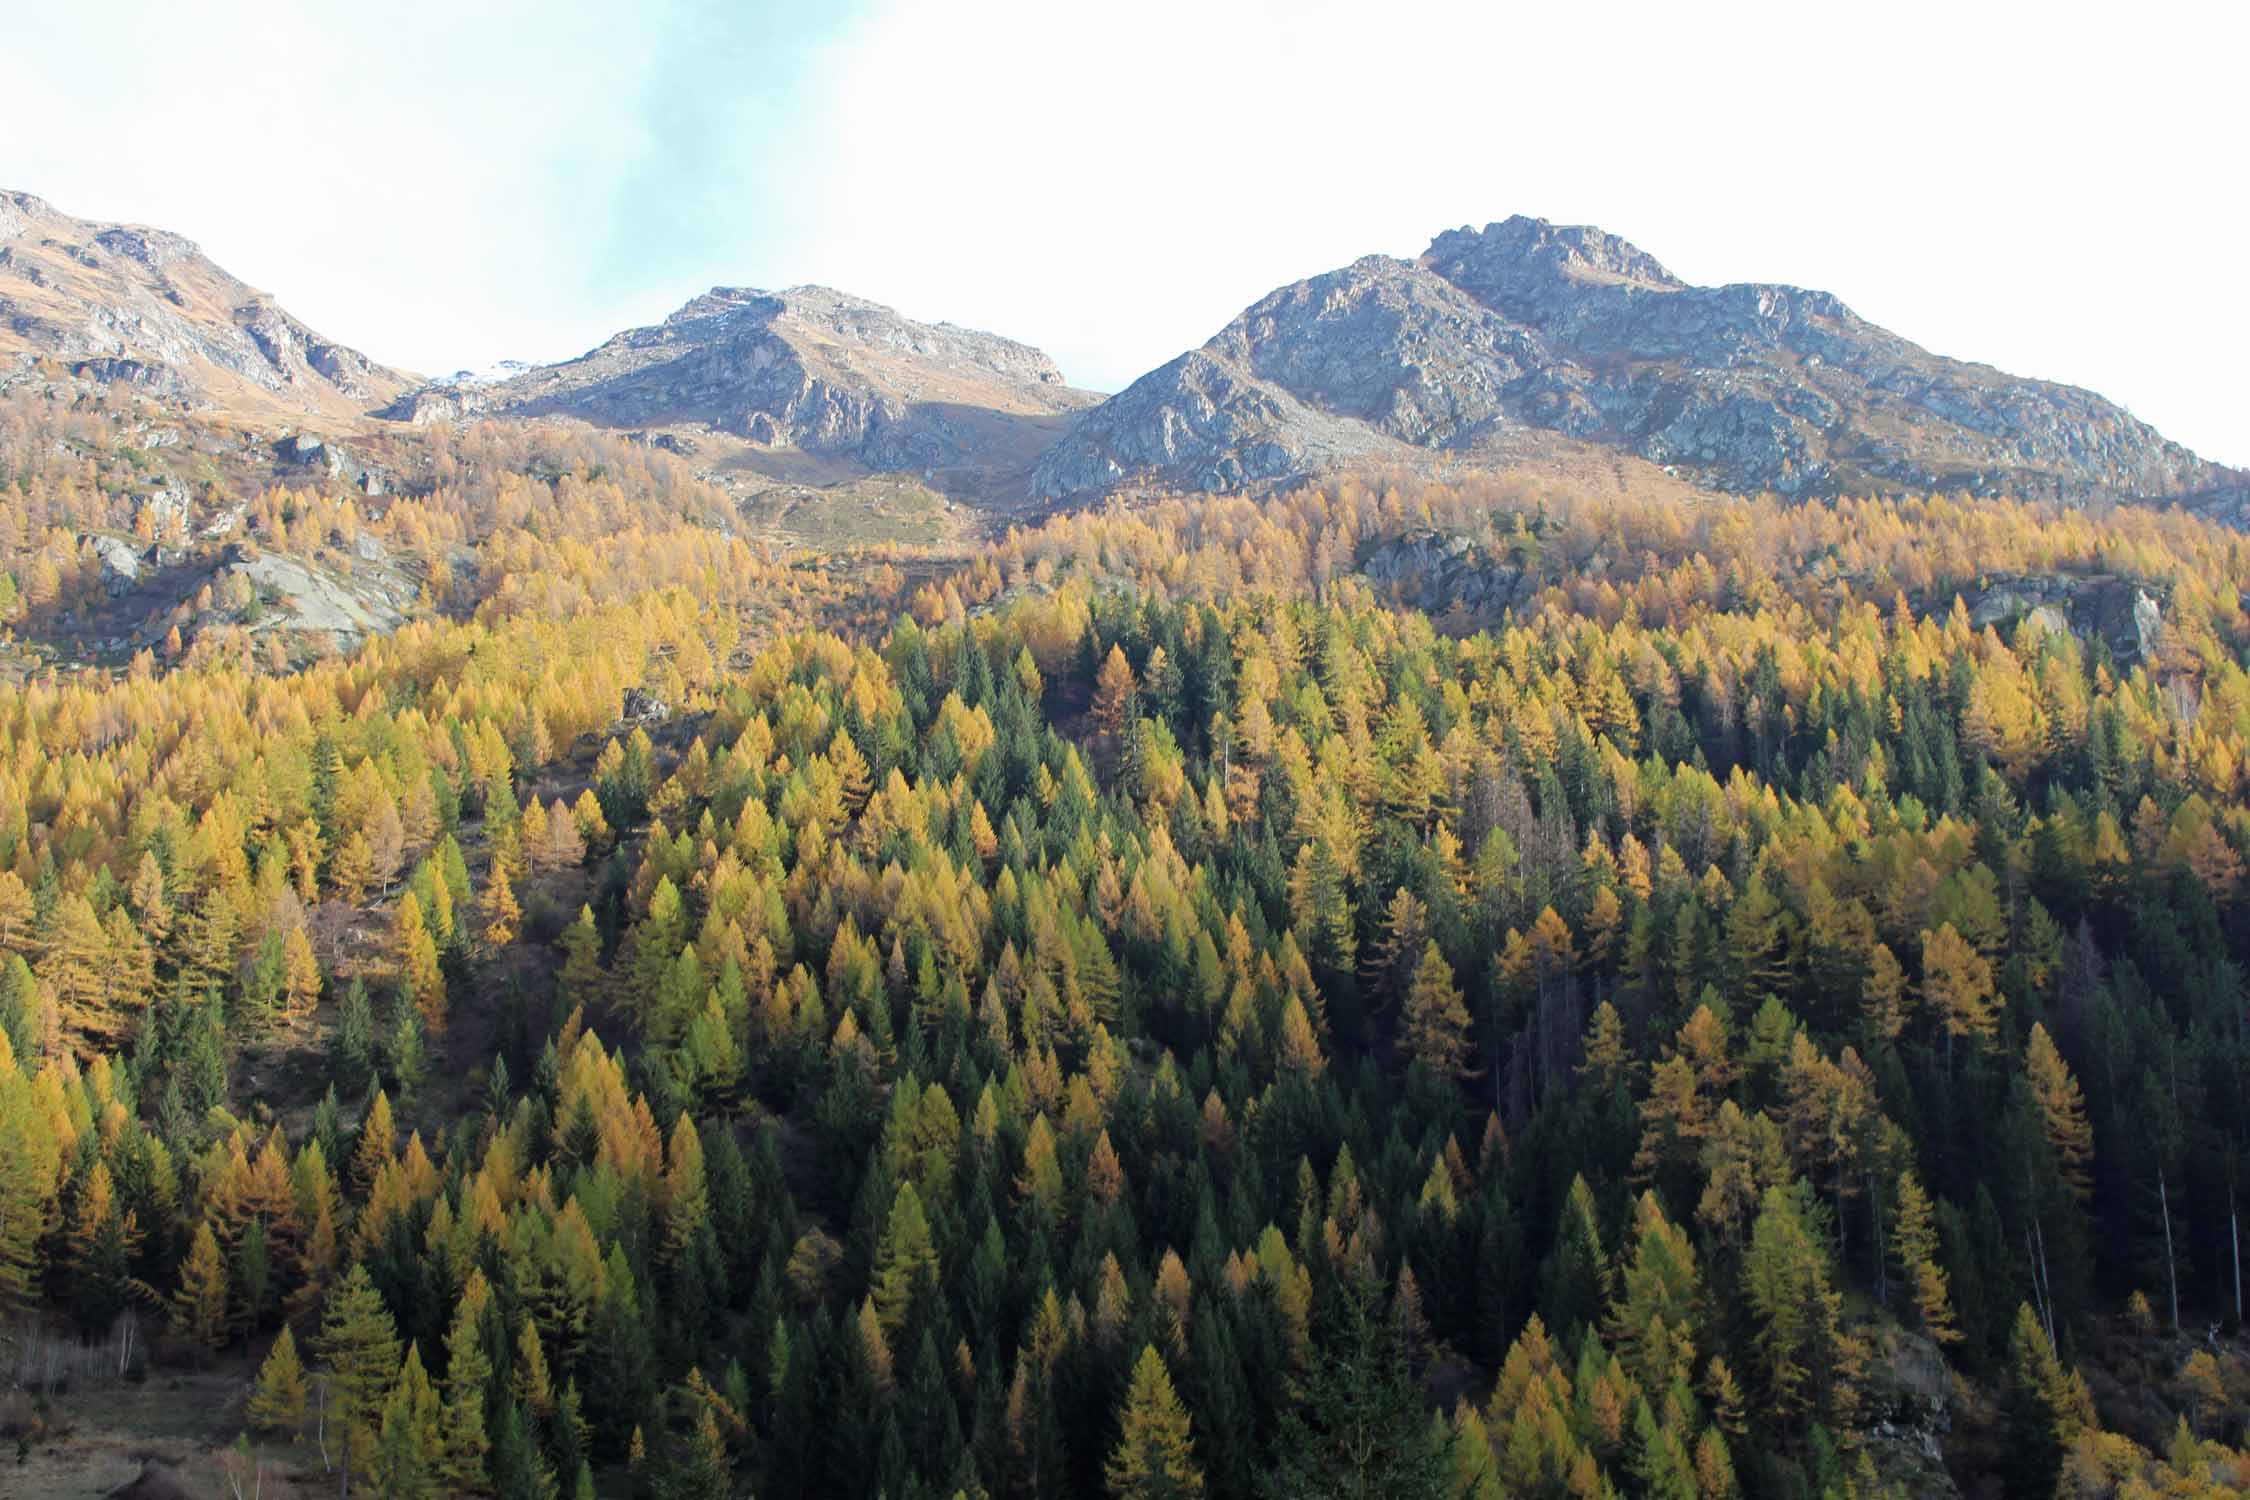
{"x": 123, "y": 302}
{"x": 334, "y": 460}
{"x": 1214, "y": 427}
{"x": 1527, "y": 327}
{"x": 1447, "y": 575}
{"x": 808, "y": 368}
{"x": 308, "y": 598}
{"x": 1907, "y": 1407}
{"x": 2125, "y": 614}
{"x": 120, "y": 564}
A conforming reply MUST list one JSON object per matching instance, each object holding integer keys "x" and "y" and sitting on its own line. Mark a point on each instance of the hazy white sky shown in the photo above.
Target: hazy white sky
{"x": 2053, "y": 188}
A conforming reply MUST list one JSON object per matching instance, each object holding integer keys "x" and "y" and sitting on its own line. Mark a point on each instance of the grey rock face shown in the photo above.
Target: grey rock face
{"x": 1215, "y": 427}
{"x": 17, "y": 211}
{"x": 1526, "y": 326}
{"x": 120, "y": 564}
{"x": 2120, "y": 612}
{"x": 154, "y": 248}
{"x": 335, "y": 461}
{"x": 124, "y": 302}
{"x": 167, "y": 506}
{"x": 808, "y": 368}
{"x": 1441, "y": 574}
{"x": 436, "y": 403}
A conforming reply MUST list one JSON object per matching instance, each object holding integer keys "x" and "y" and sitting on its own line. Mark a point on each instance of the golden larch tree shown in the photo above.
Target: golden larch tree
{"x": 1155, "y": 1454}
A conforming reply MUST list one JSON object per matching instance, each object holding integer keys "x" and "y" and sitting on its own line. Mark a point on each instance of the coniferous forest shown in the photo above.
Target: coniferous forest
{"x": 1150, "y": 1008}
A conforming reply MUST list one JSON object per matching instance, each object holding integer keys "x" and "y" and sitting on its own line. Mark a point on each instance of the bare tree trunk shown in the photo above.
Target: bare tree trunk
{"x": 2234, "y": 1235}
{"x": 2038, "y": 1291}
{"x": 2047, "y": 1284}
{"x": 1875, "y": 1243}
{"x": 2035, "y": 1247}
{"x": 1494, "y": 1070}
{"x": 2171, "y": 1267}
{"x": 320, "y": 1425}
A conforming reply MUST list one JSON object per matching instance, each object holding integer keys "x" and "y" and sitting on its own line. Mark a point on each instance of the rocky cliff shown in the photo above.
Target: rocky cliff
{"x": 1527, "y": 328}
{"x": 124, "y": 302}
{"x": 808, "y": 368}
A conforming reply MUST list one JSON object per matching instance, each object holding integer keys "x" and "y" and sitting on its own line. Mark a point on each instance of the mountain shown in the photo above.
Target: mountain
{"x": 1522, "y": 345}
{"x": 808, "y": 369}
{"x": 1526, "y": 333}
{"x": 124, "y": 302}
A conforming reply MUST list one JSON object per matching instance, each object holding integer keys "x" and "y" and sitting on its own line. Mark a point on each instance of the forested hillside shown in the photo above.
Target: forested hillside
{"x": 1141, "y": 1010}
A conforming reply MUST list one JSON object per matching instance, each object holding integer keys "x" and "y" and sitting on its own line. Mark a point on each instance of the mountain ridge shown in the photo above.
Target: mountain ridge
{"x": 1523, "y": 343}
{"x": 1528, "y": 326}
{"x": 807, "y": 368}
{"x": 130, "y": 302}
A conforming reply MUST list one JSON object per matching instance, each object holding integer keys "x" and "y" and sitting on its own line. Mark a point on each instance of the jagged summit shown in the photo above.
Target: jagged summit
{"x": 1519, "y": 248}
{"x": 826, "y": 314}
{"x": 808, "y": 368}
{"x": 127, "y": 302}
{"x": 1496, "y": 340}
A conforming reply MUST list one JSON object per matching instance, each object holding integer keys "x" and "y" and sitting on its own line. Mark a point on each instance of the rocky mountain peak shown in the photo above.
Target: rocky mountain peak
{"x": 1519, "y": 251}
{"x": 808, "y": 369}
{"x": 725, "y": 302}
{"x": 17, "y": 210}
{"x": 127, "y": 302}
{"x": 1529, "y": 331}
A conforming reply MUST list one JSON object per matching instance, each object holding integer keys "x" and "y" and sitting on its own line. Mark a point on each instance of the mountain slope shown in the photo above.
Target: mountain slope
{"x": 120, "y": 301}
{"x": 1528, "y": 330}
{"x": 809, "y": 369}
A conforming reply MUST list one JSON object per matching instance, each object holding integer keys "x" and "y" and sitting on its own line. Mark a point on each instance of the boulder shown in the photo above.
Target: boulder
{"x": 120, "y": 565}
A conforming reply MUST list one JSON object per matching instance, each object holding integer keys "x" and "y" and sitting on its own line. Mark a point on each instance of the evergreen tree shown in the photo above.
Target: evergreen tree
{"x": 359, "y": 1351}
{"x": 104, "y": 1239}
{"x": 1574, "y": 1281}
{"x": 407, "y": 1448}
{"x": 199, "y": 1307}
{"x": 1360, "y": 1429}
{"x": 277, "y": 1402}
{"x": 519, "y": 1469}
{"x": 460, "y": 1467}
{"x": 352, "y": 1044}
{"x": 1804, "y": 1353}
{"x": 2062, "y": 1112}
{"x": 1437, "y": 1022}
{"x": 2048, "y": 1405}
{"x": 906, "y": 1262}
{"x": 1154, "y": 1458}
{"x": 1914, "y": 1238}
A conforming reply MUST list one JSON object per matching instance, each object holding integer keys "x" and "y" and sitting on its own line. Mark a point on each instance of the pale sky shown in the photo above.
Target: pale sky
{"x": 2052, "y": 188}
